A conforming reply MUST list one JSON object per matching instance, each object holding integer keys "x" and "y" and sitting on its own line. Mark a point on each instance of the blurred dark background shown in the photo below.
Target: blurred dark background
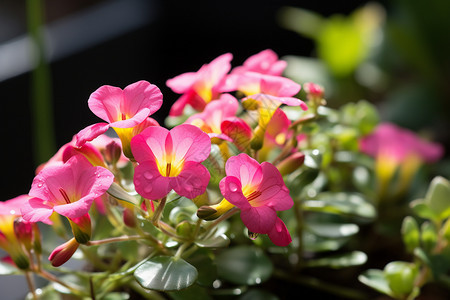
{"x": 119, "y": 42}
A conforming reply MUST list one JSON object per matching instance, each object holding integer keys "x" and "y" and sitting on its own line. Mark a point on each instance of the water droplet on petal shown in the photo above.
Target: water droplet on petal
{"x": 148, "y": 175}
{"x": 197, "y": 183}
{"x": 137, "y": 182}
{"x": 188, "y": 188}
{"x": 233, "y": 186}
{"x": 39, "y": 184}
{"x": 148, "y": 189}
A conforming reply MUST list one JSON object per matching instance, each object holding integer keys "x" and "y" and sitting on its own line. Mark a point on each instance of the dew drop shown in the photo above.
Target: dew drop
{"x": 137, "y": 182}
{"x": 233, "y": 186}
{"x": 148, "y": 175}
{"x": 39, "y": 184}
{"x": 189, "y": 188}
{"x": 148, "y": 189}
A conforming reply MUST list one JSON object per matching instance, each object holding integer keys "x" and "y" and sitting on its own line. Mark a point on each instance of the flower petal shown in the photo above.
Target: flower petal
{"x": 279, "y": 235}
{"x": 35, "y": 210}
{"x": 192, "y": 181}
{"x": 259, "y": 219}
{"x": 149, "y": 183}
{"x": 149, "y": 144}
{"x": 105, "y": 103}
{"x": 190, "y": 143}
{"x": 245, "y": 168}
{"x": 231, "y": 189}
{"x": 89, "y": 133}
{"x": 273, "y": 190}
{"x": 139, "y": 96}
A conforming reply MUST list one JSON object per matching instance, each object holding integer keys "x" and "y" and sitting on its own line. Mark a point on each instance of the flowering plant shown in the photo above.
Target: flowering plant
{"x": 151, "y": 210}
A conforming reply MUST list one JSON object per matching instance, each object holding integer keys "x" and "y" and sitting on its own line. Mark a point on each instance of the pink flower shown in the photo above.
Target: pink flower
{"x": 199, "y": 88}
{"x": 171, "y": 160}
{"x": 215, "y": 113}
{"x": 13, "y": 238}
{"x": 122, "y": 110}
{"x": 397, "y": 144}
{"x": 68, "y": 190}
{"x": 268, "y": 87}
{"x": 259, "y": 191}
{"x": 264, "y": 62}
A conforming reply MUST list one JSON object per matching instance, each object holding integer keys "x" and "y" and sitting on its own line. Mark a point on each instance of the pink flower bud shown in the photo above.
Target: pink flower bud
{"x": 291, "y": 163}
{"x": 63, "y": 252}
{"x": 24, "y": 232}
{"x": 81, "y": 228}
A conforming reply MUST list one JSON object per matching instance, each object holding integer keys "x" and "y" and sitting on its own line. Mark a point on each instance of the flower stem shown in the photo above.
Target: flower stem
{"x": 158, "y": 211}
{"x": 114, "y": 240}
{"x": 222, "y": 218}
{"x": 298, "y": 211}
{"x": 31, "y": 285}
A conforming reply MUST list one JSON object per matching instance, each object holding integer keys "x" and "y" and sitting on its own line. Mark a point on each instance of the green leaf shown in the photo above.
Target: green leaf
{"x": 401, "y": 277}
{"x": 342, "y": 204}
{"x": 429, "y": 236}
{"x": 410, "y": 233}
{"x": 333, "y": 230}
{"x": 421, "y": 209}
{"x": 339, "y": 261}
{"x": 438, "y": 197}
{"x": 244, "y": 265}
{"x": 314, "y": 243}
{"x": 193, "y": 292}
{"x": 164, "y": 273}
{"x": 218, "y": 241}
{"x": 376, "y": 280}
{"x": 206, "y": 267}
{"x": 119, "y": 193}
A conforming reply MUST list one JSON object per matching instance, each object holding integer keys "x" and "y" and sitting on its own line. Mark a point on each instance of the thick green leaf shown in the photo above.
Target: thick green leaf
{"x": 423, "y": 210}
{"x": 339, "y": 261}
{"x": 218, "y": 241}
{"x": 164, "y": 273}
{"x": 401, "y": 277}
{"x": 314, "y": 243}
{"x": 206, "y": 267}
{"x": 193, "y": 292}
{"x": 429, "y": 236}
{"x": 376, "y": 280}
{"x": 333, "y": 230}
{"x": 342, "y": 204}
{"x": 410, "y": 233}
{"x": 119, "y": 193}
{"x": 244, "y": 265}
{"x": 438, "y": 197}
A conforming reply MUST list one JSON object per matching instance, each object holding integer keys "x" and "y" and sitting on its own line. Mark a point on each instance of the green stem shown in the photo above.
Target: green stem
{"x": 51, "y": 277}
{"x": 221, "y": 218}
{"x": 31, "y": 285}
{"x": 298, "y": 211}
{"x": 158, "y": 211}
{"x": 41, "y": 103}
{"x": 114, "y": 240}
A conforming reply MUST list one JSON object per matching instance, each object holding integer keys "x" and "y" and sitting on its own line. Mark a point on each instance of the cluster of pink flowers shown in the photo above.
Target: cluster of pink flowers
{"x": 80, "y": 174}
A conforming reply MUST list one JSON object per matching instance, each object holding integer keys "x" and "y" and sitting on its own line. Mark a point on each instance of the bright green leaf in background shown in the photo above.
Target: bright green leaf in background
{"x": 165, "y": 273}
{"x": 244, "y": 265}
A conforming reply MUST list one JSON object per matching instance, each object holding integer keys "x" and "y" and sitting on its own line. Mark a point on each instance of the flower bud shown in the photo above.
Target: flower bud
{"x": 63, "y": 252}
{"x": 129, "y": 217}
{"x": 212, "y": 212}
{"x": 81, "y": 228}
{"x": 112, "y": 152}
{"x": 291, "y": 163}
{"x": 24, "y": 232}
